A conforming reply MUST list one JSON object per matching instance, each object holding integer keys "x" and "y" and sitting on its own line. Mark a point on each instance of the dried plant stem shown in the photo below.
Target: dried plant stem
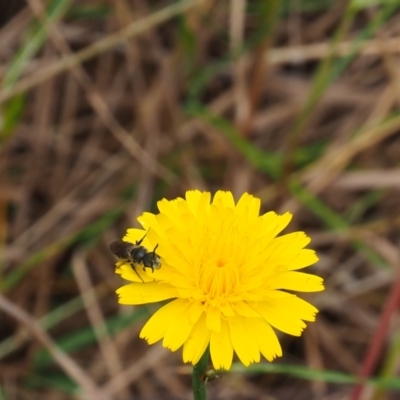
{"x": 376, "y": 345}
{"x": 68, "y": 62}
{"x": 73, "y": 370}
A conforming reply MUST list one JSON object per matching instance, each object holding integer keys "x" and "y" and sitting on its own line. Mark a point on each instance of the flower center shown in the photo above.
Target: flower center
{"x": 220, "y": 263}
{"x": 218, "y": 279}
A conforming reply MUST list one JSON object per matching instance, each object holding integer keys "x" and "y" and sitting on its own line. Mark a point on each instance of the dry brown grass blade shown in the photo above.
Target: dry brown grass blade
{"x": 71, "y": 368}
{"x": 376, "y": 346}
{"x": 134, "y": 29}
{"x": 237, "y": 20}
{"x": 133, "y": 372}
{"x": 318, "y": 51}
{"x": 99, "y": 104}
{"x": 108, "y": 349}
{"x": 37, "y": 231}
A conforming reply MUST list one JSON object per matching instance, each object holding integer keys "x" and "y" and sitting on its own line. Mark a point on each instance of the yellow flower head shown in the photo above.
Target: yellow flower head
{"x": 227, "y": 275}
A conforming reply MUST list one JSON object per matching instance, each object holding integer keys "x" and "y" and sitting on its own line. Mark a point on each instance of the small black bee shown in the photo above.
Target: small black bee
{"x": 136, "y": 254}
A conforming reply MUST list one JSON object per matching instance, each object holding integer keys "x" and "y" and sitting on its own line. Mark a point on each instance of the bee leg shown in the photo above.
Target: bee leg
{"x": 139, "y": 242}
{"x": 154, "y": 254}
{"x": 137, "y": 273}
{"x": 144, "y": 268}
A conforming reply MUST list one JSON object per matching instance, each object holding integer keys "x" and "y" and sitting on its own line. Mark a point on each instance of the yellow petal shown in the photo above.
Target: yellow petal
{"x": 284, "y": 321}
{"x": 140, "y": 293}
{"x": 133, "y": 235}
{"x": 245, "y": 310}
{"x": 270, "y": 224}
{"x": 167, "y": 222}
{"x": 176, "y": 260}
{"x": 221, "y": 348}
{"x": 193, "y": 197}
{"x": 156, "y": 327}
{"x": 243, "y": 341}
{"x": 224, "y": 199}
{"x": 247, "y": 218}
{"x": 199, "y": 203}
{"x": 287, "y": 245}
{"x": 227, "y": 310}
{"x": 293, "y": 259}
{"x": 195, "y": 311}
{"x": 197, "y": 341}
{"x": 214, "y": 319}
{"x": 284, "y": 248}
{"x": 152, "y": 240}
{"x": 178, "y": 329}
{"x": 298, "y": 281}
{"x": 275, "y": 294}
{"x": 251, "y": 203}
{"x": 133, "y": 274}
{"x": 267, "y": 340}
{"x": 167, "y": 274}
{"x": 147, "y": 220}
{"x": 274, "y": 222}
{"x": 296, "y": 307}
{"x": 169, "y": 207}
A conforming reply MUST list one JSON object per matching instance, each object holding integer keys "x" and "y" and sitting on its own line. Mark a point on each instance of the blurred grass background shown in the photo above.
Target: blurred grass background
{"x": 108, "y": 106}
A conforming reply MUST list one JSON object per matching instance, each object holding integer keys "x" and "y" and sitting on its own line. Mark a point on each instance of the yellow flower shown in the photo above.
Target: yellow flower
{"x": 226, "y": 274}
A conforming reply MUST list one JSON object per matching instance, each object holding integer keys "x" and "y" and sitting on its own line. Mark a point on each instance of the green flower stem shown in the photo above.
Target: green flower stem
{"x": 198, "y": 378}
